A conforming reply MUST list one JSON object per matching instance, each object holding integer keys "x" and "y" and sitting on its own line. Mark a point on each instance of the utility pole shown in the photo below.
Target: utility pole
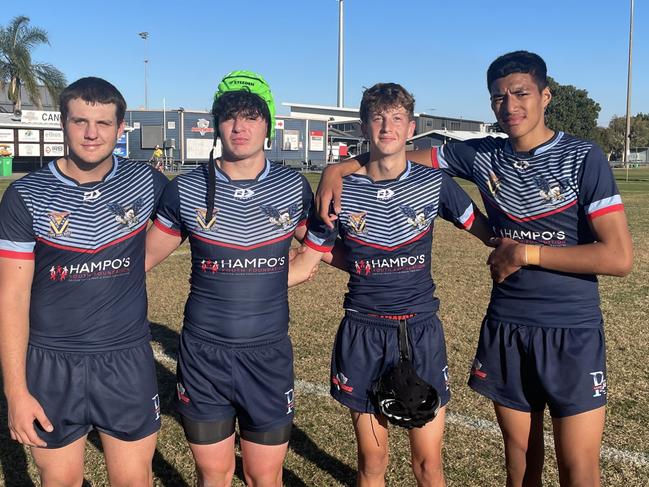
{"x": 145, "y": 36}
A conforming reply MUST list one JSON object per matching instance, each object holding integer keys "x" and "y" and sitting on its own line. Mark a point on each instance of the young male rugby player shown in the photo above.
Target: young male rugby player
{"x": 240, "y": 213}
{"x": 553, "y": 201}
{"x": 386, "y": 225}
{"x": 74, "y": 335}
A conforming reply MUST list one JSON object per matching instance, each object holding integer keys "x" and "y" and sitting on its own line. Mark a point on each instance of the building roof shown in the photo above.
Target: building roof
{"x": 460, "y": 135}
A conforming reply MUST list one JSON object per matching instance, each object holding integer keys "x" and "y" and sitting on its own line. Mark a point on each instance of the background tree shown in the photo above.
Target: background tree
{"x": 17, "y": 40}
{"x": 638, "y": 137}
{"x": 572, "y": 110}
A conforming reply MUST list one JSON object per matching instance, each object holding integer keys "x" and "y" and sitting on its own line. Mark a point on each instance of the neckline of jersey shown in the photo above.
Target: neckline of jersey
{"x": 366, "y": 179}
{"x": 539, "y": 149}
{"x": 220, "y": 174}
{"x": 68, "y": 181}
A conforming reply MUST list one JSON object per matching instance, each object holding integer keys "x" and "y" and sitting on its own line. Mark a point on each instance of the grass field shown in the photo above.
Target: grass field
{"x": 322, "y": 448}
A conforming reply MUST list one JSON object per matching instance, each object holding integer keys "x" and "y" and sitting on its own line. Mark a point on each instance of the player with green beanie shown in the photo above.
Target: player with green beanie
{"x": 239, "y": 213}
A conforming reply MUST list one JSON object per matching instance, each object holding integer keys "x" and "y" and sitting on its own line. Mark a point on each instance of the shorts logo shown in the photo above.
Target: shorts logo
{"x": 599, "y": 383}
{"x": 551, "y": 192}
{"x": 59, "y": 224}
{"x": 282, "y": 220}
{"x": 447, "y": 381}
{"x": 362, "y": 267}
{"x": 91, "y": 195}
{"x": 182, "y": 393}
{"x": 156, "y": 406}
{"x": 384, "y": 194}
{"x": 128, "y": 215}
{"x": 340, "y": 381}
{"x": 209, "y": 266}
{"x": 475, "y": 370}
{"x": 420, "y": 220}
{"x": 58, "y": 273}
{"x": 290, "y": 401}
{"x": 201, "y": 215}
{"x": 243, "y": 194}
{"x": 357, "y": 222}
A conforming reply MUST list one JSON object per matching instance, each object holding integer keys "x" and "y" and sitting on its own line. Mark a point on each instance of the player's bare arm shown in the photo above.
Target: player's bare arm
{"x": 611, "y": 254}
{"x": 159, "y": 245}
{"x": 15, "y": 281}
{"x": 480, "y": 228}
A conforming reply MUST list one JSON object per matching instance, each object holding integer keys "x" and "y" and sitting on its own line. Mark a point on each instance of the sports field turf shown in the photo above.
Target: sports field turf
{"x": 322, "y": 449}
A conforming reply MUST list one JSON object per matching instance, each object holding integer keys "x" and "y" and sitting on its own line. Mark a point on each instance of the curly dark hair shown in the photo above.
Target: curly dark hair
{"x": 234, "y": 103}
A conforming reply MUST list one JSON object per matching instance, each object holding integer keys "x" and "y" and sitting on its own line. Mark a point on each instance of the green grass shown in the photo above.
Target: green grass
{"x": 322, "y": 450}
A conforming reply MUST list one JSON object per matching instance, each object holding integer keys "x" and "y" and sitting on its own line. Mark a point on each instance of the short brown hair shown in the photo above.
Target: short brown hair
{"x": 383, "y": 96}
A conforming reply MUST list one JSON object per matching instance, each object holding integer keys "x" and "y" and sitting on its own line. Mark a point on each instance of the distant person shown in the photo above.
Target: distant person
{"x": 240, "y": 213}
{"x": 553, "y": 201}
{"x": 157, "y": 158}
{"x": 74, "y": 334}
{"x": 386, "y": 231}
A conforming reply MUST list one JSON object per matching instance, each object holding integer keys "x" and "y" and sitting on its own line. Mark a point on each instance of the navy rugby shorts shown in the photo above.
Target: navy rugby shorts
{"x": 252, "y": 381}
{"x": 528, "y": 367}
{"x": 114, "y": 392}
{"x": 367, "y": 346}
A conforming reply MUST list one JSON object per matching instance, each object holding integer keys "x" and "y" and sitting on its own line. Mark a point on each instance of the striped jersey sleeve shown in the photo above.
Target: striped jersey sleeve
{"x": 598, "y": 193}
{"x": 168, "y": 217}
{"x": 319, "y": 236}
{"x": 17, "y": 238}
{"x": 455, "y": 205}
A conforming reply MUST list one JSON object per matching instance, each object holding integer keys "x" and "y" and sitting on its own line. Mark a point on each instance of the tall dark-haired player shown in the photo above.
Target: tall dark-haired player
{"x": 74, "y": 335}
{"x": 240, "y": 213}
{"x": 553, "y": 201}
{"x": 386, "y": 225}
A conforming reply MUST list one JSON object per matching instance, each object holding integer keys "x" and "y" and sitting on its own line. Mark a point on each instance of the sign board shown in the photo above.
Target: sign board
{"x": 29, "y": 135}
{"x": 203, "y": 127}
{"x": 199, "y": 149}
{"x": 6, "y": 150}
{"x": 39, "y": 117}
{"x": 291, "y": 140}
{"x": 29, "y": 150}
{"x": 53, "y": 150}
{"x": 171, "y": 125}
{"x": 52, "y": 135}
{"x": 6, "y": 135}
{"x": 279, "y": 124}
{"x": 316, "y": 140}
{"x": 120, "y": 146}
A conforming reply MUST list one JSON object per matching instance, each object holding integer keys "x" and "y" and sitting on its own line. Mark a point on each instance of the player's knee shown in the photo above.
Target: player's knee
{"x": 373, "y": 462}
{"x": 581, "y": 471}
{"x": 55, "y": 476}
{"x": 210, "y": 474}
{"x": 267, "y": 477}
{"x": 428, "y": 470}
{"x": 132, "y": 477}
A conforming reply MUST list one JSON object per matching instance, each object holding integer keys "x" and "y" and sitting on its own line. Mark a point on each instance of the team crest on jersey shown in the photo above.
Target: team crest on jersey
{"x": 357, "y": 222}
{"x": 281, "y": 219}
{"x": 59, "y": 224}
{"x": 493, "y": 183}
{"x": 201, "y": 219}
{"x": 419, "y": 220}
{"x": 58, "y": 273}
{"x": 128, "y": 215}
{"x": 362, "y": 267}
{"x": 551, "y": 192}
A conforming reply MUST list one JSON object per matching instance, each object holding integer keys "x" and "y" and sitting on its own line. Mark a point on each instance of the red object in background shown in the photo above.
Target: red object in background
{"x": 342, "y": 150}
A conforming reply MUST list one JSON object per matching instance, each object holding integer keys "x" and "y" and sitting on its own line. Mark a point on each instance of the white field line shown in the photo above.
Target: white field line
{"x": 608, "y": 453}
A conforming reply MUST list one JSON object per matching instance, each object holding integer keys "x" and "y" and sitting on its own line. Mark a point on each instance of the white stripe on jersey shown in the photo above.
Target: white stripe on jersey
{"x": 599, "y": 205}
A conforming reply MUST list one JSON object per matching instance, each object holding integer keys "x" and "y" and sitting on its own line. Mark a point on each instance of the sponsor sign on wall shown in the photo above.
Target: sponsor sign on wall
{"x": 29, "y": 150}
{"x": 53, "y": 150}
{"x": 316, "y": 140}
{"x": 6, "y": 135}
{"x": 291, "y": 140}
{"x": 6, "y": 150}
{"x": 52, "y": 135}
{"x": 38, "y": 117}
{"x": 29, "y": 135}
{"x": 199, "y": 149}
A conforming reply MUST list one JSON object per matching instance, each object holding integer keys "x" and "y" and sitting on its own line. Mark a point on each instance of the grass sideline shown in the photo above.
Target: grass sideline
{"x": 322, "y": 451}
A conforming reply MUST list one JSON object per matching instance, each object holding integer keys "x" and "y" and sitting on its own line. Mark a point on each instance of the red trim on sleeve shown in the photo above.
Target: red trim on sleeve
{"x": 433, "y": 157}
{"x": 467, "y": 224}
{"x": 166, "y": 229}
{"x": 17, "y": 255}
{"x": 604, "y": 211}
{"x": 302, "y": 223}
{"x": 316, "y": 247}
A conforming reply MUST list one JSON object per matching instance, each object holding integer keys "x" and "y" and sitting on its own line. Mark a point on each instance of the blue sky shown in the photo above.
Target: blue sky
{"x": 438, "y": 50}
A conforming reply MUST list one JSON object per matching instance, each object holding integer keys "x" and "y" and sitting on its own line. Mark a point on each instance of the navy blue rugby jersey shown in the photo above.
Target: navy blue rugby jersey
{"x": 239, "y": 285}
{"x": 87, "y": 242}
{"x": 387, "y": 232}
{"x": 543, "y": 197}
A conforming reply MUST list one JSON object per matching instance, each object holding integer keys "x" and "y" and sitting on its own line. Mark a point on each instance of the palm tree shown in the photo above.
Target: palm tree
{"x": 17, "y": 40}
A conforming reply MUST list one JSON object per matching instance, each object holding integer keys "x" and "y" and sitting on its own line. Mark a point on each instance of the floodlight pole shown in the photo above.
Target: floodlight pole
{"x": 341, "y": 96}
{"x": 627, "y": 132}
{"x": 145, "y": 36}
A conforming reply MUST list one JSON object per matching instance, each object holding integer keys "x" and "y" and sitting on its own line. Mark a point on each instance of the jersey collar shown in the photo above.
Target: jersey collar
{"x": 540, "y": 149}
{"x": 68, "y": 181}
{"x": 221, "y": 176}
